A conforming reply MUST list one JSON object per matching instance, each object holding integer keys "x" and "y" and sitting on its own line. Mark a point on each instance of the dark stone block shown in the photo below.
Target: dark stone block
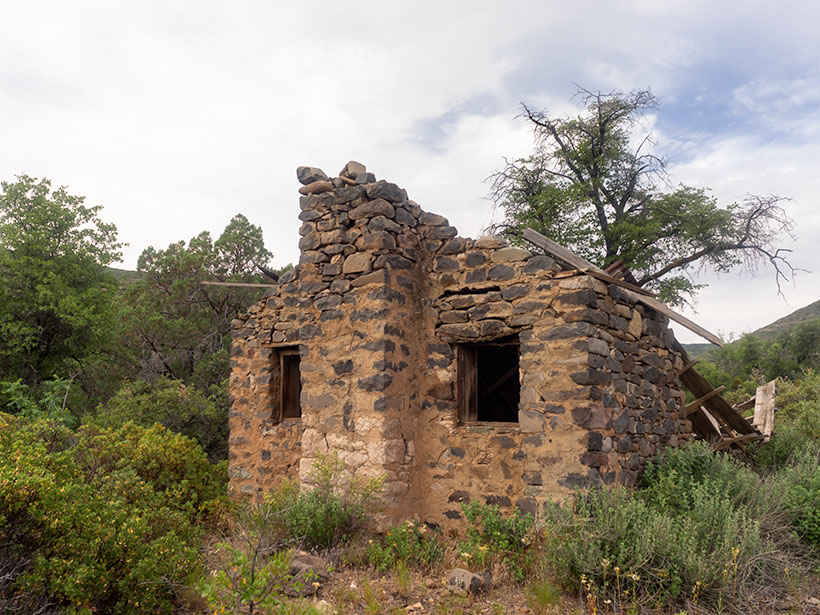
{"x": 343, "y": 367}
{"x": 519, "y": 455}
{"x": 624, "y": 445}
{"x": 457, "y": 452}
{"x": 264, "y": 455}
{"x": 574, "y": 480}
{"x": 538, "y": 263}
{"x": 554, "y": 409}
{"x": 405, "y": 217}
{"x": 652, "y": 375}
{"x": 308, "y": 332}
{"x": 501, "y": 272}
{"x": 444, "y": 349}
{"x": 504, "y": 441}
{"x": 452, "y": 514}
{"x": 575, "y": 329}
{"x": 444, "y": 263}
{"x": 514, "y": 292}
{"x": 498, "y": 500}
{"x": 591, "y": 376}
{"x": 386, "y": 190}
{"x": 476, "y": 276}
{"x": 595, "y": 441}
{"x": 582, "y": 296}
{"x": 459, "y": 497}
{"x": 596, "y": 317}
{"x": 377, "y": 382}
{"x": 491, "y": 327}
{"x": 595, "y": 361}
{"x": 619, "y": 294}
{"x": 394, "y": 261}
{"x": 528, "y": 506}
{"x": 474, "y": 259}
{"x": 533, "y": 478}
{"x": 443, "y": 232}
{"x": 454, "y": 246}
{"x": 345, "y": 195}
{"x": 628, "y": 478}
{"x": 621, "y": 424}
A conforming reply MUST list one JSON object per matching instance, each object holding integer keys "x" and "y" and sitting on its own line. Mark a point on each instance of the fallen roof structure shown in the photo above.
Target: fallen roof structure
{"x": 713, "y": 418}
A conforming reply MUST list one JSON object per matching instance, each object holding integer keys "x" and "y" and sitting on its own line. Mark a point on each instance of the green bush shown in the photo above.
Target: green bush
{"x": 332, "y": 511}
{"x": 103, "y": 519}
{"x": 172, "y": 404}
{"x": 703, "y": 528}
{"x": 492, "y": 536}
{"x": 412, "y": 543}
{"x": 801, "y": 482}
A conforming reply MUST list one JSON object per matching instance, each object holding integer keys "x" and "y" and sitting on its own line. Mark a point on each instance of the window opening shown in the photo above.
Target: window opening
{"x": 488, "y": 381}
{"x": 290, "y": 388}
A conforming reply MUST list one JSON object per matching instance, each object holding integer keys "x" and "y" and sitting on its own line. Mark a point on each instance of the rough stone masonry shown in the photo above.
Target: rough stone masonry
{"x": 363, "y": 348}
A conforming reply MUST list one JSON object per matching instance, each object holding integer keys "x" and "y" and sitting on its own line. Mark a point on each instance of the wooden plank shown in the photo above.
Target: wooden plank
{"x": 764, "y": 409}
{"x": 704, "y": 427}
{"x": 727, "y": 442}
{"x": 573, "y": 260}
{"x": 717, "y": 406}
{"x": 690, "y": 408}
{"x": 467, "y": 384}
{"x": 746, "y": 405}
{"x": 689, "y": 365}
{"x": 247, "y": 284}
{"x": 567, "y": 257}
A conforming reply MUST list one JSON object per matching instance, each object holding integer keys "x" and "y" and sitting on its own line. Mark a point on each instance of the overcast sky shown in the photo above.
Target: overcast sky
{"x": 177, "y": 115}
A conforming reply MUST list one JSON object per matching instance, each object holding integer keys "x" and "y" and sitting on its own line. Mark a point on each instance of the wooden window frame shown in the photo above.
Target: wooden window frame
{"x": 467, "y": 380}
{"x": 286, "y": 397}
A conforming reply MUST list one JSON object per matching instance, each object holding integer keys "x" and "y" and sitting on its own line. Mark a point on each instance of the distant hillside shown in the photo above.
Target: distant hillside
{"x": 770, "y": 331}
{"x": 695, "y": 350}
{"x": 125, "y": 276}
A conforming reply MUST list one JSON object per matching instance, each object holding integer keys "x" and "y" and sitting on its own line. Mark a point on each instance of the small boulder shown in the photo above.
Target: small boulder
{"x": 468, "y": 581}
{"x": 308, "y": 175}
{"x": 308, "y": 574}
{"x": 316, "y": 187}
{"x": 352, "y": 169}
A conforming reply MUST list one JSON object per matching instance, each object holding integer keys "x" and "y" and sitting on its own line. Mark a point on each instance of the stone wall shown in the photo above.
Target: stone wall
{"x": 383, "y": 295}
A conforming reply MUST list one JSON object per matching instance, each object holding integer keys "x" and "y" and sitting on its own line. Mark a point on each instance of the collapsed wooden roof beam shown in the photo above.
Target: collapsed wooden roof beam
{"x": 572, "y": 260}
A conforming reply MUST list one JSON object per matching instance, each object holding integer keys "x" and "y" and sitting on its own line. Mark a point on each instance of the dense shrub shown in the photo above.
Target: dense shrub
{"x": 703, "y": 528}
{"x": 102, "y": 519}
{"x": 331, "y": 511}
{"x": 172, "y": 404}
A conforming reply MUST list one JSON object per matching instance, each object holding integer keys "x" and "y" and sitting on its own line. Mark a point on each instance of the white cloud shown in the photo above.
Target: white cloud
{"x": 175, "y": 116}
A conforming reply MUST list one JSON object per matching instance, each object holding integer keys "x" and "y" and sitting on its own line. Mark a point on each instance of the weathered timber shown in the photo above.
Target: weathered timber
{"x": 573, "y": 260}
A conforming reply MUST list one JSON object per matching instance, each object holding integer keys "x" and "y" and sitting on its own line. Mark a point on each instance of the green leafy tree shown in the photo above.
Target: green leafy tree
{"x": 179, "y": 327}
{"x": 593, "y": 185}
{"x": 55, "y": 292}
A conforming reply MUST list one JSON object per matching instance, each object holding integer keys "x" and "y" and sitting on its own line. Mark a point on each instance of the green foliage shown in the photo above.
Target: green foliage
{"x": 589, "y": 188}
{"x": 703, "y": 527}
{"x": 249, "y": 570}
{"x": 102, "y": 519}
{"x": 491, "y": 536}
{"x": 55, "y": 292}
{"x": 173, "y": 405}
{"x": 332, "y": 511}
{"x": 752, "y": 360}
{"x": 49, "y": 400}
{"x": 177, "y": 326}
{"x": 411, "y": 543}
{"x": 801, "y": 482}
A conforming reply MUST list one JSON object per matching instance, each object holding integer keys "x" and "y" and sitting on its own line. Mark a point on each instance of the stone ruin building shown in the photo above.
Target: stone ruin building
{"x": 457, "y": 368}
